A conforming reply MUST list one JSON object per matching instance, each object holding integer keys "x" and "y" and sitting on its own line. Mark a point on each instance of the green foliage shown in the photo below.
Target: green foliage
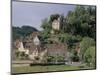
{"x": 55, "y": 59}
{"x": 69, "y": 39}
{"x": 20, "y": 56}
{"x": 46, "y": 29}
{"x": 19, "y": 32}
{"x": 54, "y": 16}
{"x": 60, "y": 59}
{"x": 45, "y": 24}
{"x": 50, "y": 59}
{"x": 81, "y": 21}
{"x": 63, "y": 24}
{"x": 77, "y": 24}
{"x": 75, "y": 56}
{"x": 89, "y": 56}
{"x": 85, "y": 44}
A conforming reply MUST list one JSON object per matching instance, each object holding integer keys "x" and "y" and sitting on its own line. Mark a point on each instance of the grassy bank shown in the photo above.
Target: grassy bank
{"x": 39, "y": 68}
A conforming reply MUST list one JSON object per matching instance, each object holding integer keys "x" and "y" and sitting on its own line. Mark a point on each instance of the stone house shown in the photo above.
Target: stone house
{"x": 36, "y": 48}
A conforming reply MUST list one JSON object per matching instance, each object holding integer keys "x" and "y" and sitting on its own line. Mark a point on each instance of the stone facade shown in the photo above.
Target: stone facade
{"x": 59, "y": 49}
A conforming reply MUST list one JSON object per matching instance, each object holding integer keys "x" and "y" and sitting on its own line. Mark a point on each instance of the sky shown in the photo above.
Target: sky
{"x": 32, "y": 14}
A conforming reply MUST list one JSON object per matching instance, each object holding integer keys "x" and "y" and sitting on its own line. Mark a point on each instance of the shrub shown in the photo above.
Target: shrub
{"x": 50, "y": 59}
{"x": 55, "y": 59}
{"x": 60, "y": 59}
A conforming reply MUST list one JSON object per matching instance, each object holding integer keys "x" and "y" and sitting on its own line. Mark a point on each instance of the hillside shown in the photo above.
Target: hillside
{"x": 21, "y": 32}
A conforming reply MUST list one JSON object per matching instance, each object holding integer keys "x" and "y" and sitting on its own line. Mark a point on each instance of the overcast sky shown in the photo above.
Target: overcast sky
{"x": 32, "y": 14}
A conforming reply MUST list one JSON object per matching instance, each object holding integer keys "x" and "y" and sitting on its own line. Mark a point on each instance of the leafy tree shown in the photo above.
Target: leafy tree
{"x": 92, "y": 21}
{"x": 85, "y": 44}
{"x": 54, "y": 16}
{"x": 46, "y": 29}
{"x": 69, "y": 39}
{"x": 63, "y": 24}
{"x": 89, "y": 56}
{"x": 82, "y": 21}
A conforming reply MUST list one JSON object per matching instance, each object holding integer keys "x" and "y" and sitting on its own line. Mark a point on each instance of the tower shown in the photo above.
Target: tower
{"x": 55, "y": 25}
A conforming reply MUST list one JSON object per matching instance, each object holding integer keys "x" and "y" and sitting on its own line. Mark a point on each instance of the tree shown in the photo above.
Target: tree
{"x": 85, "y": 44}
{"x": 90, "y": 57}
{"x": 63, "y": 24}
{"x": 82, "y": 21}
{"x": 69, "y": 39}
{"x": 92, "y": 21}
{"x": 46, "y": 29}
{"x": 54, "y": 16}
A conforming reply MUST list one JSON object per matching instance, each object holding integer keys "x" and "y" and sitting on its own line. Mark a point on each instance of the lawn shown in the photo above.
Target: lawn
{"x": 39, "y": 68}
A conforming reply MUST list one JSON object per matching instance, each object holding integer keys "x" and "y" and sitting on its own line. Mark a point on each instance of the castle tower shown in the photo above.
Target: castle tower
{"x": 55, "y": 25}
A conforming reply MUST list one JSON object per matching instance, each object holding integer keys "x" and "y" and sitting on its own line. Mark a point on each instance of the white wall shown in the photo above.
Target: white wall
{"x": 5, "y": 37}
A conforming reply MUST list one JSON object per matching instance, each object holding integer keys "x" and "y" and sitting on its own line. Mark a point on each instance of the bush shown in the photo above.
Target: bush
{"x": 50, "y": 59}
{"x": 60, "y": 59}
{"x": 55, "y": 59}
